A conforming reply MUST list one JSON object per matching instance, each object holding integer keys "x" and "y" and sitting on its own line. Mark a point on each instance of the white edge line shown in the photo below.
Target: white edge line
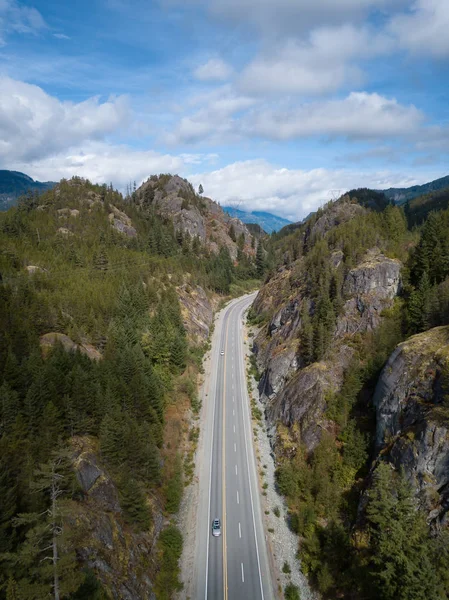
{"x": 243, "y": 574}
{"x": 249, "y": 475}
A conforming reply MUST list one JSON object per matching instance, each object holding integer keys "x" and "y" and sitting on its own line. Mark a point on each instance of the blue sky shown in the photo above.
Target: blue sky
{"x": 276, "y": 105}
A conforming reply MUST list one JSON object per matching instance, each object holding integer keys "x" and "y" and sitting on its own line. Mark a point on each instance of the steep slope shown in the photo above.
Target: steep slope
{"x": 196, "y": 216}
{"x": 14, "y": 184}
{"x": 418, "y": 209}
{"x": 327, "y": 318}
{"x": 356, "y": 415}
{"x": 411, "y": 402}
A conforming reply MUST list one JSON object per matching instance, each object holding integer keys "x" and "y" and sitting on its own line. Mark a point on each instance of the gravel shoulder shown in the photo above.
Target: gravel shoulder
{"x": 282, "y": 543}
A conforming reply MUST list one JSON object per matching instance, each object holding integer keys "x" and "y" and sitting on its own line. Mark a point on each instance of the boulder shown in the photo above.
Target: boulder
{"x": 50, "y": 340}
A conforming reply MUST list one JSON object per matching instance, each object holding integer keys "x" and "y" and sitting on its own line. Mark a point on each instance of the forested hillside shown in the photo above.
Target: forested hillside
{"x": 359, "y": 441}
{"x": 105, "y": 308}
{"x": 14, "y": 184}
{"x": 401, "y": 195}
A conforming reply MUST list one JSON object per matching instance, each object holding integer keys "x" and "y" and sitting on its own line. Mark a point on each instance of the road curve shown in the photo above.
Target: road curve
{"x": 233, "y": 566}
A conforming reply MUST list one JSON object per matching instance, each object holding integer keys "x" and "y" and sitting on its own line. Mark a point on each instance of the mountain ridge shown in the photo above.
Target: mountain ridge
{"x": 14, "y": 184}
{"x": 268, "y": 221}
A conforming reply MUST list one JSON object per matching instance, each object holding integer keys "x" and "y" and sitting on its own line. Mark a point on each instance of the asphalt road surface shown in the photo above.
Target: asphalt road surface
{"x": 233, "y": 566}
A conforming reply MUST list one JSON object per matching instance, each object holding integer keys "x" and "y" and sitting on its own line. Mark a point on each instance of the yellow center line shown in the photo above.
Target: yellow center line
{"x": 225, "y": 562}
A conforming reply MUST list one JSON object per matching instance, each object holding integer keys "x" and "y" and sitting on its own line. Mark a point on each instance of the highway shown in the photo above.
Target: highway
{"x": 234, "y": 565}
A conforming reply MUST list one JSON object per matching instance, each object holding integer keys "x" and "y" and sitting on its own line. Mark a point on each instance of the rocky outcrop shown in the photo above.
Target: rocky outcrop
{"x": 32, "y": 269}
{"x": 124, "y": 561}
{"x": 335, "y": 214}
{"x": 411, "y": 402}
{"x": 64, "y": 232}
{"x": 303, "y": 400}
{"x": 121, "y": 222}
{"x": 175, "y": 199}
{"x": 50, "y": 340}
{"x": 196, "y": 310}
{"x": 68, "y": 212}
{"x": 370, "y": 288}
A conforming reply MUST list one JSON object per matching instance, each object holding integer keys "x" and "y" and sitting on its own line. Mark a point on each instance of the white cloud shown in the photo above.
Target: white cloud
{"x": 34, "y": 124}
{"x": 15, "y": 17}
{"x": 61, "y": 36}
{"x": 292, "y": 193}
{"x": 424, "y": 29}
{"x": 359, "y": 116}
{"x": 213, "y": 120}
{"x": 320, "y": 64}
{"x": 214, "y": 70}
{"x": 101, "y": 162}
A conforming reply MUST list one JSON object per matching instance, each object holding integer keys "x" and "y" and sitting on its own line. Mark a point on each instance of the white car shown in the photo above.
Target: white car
{"x": 216, "y": 527}
{"x": 222, "y": 352}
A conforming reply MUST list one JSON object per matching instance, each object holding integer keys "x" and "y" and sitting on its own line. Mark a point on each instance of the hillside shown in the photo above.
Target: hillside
{"x": 198, "y": 218}
{"x": 14, "y": 184}
{"x": 267, "y": 221}
{"x": 355, "y": 402}
{"x": 418, "y": 209}
{"x": 105, "y": 312}
{"x": 401, "y": 195}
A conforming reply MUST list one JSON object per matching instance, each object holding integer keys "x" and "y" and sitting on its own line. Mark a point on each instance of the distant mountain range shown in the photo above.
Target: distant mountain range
{"x": 401, "y": 195}
{"x": 14, "y": 184}
{"x": 266, "y": 220}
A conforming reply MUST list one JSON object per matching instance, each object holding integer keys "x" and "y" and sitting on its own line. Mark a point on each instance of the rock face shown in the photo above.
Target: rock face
{"x": 175, "y": 199}
{"x": 335, "y": 214}
{"x": 196, "y": 310}
{"x": 294, "y": 394}
{"x": 413, "y": 416}
{"x": 122, "y": 560}
{"x": 50, "y": 340}
{"x": 370, "y": 288}
{"x": 302, "y": 401}
{"x": 121, "y": 222}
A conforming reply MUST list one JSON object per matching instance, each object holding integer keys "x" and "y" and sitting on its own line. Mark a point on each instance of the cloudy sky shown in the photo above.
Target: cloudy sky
{"x": 270, "y": 104}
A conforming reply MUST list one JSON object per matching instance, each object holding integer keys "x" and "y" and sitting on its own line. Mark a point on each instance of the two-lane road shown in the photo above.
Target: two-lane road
{"x": 234, "y": 565}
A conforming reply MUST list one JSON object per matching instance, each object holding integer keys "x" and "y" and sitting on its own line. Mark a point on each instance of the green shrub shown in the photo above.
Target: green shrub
{"x": 291, "y": 592}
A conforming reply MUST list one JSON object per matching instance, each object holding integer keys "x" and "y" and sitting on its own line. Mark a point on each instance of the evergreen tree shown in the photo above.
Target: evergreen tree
{"x": 306, "y": 347}
{"x": 9, "y": 407}
{"x": 260, "y": 261}
{"x": 45, "y": 562}
{"x": 112, "y": 438}
{"x": 418, "y": 309}
{"x": 8, "y": 495}
{"x": 100, "y": 260}
{"x": 134, "y": 504}
{"x": 200, "y": 189}
{"x": 403, "y": 565}
{"x": 232, "y": 232}
{"x": 178, "y": 353}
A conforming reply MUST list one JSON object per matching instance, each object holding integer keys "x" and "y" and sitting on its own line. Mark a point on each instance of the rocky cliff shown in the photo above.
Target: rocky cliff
{"x": 199, "y": 216}
{"x": 412, "y": 410}
{"x": 295, "y": 393}
{"x": 123, "y": 560}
